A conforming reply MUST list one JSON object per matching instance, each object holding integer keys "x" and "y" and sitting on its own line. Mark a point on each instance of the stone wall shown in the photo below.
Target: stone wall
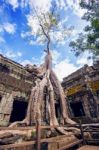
{"x": 8, "y": 94}
{"x": 15, "y": 81}
{"x": 83, "y": 86}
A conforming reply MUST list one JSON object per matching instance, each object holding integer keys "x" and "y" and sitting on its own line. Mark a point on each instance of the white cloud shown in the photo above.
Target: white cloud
{"x": 38, "y": 41}
{"x": 2, "y": 40}
{"x": 25, "y": 34}
{"x": 9, "y": 27}
{"x": 60, "y": 37}
{"x": 75, "y": 7}
{"x": 33, "y": 24}
{"x": 61, "y": 67}
{"x": 25, "y": 62}
{"x": 31, "y": 42}
{"x": 24, "y": 3}
{"x": 61, "y": 23}
{"x": 13, "y": 3}
{"x": 33, "y": 60}
{"x": 83, "y": 59}
{"x": 55, "y": 56}
{"x": 12, "y": 54}
{"x": 64, "y": 68}
{"x": 75, "y": 33}
{"x": 19, "y": 54}
{"x": 44, "y": 5}
{"x": 40, "y": 5}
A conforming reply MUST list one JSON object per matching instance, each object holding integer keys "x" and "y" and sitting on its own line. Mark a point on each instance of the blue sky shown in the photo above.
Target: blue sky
{"x": 18, "y": 40}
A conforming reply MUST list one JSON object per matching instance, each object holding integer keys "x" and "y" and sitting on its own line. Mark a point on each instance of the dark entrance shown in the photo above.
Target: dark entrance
{"x": 77, "y": 109}
{"x": 0, "y": 98}
{"x": 57, "y": 111}
{"x": 19, "y": 110}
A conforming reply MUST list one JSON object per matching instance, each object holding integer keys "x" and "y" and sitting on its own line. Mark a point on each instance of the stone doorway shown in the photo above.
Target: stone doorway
{"x": 0, "y": 98}
{"x": 77, "y": 109}
{"x": 57, "y": 111}
{"x": 19, "y": 111}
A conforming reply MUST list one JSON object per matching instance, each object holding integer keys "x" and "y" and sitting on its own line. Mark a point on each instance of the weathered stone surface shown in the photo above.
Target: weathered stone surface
{"x": 15, "y": 82}
{"x": 87, "y": 147}
{"x": 82, "y": 87}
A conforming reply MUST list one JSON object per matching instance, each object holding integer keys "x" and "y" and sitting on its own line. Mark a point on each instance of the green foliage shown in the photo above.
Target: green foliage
{"x": 95, "y": 24}
{"x": 33, "y": 134}
{"x": 89, "y": 39}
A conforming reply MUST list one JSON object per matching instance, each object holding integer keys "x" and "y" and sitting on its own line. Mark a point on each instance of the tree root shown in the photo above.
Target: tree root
{"x": 54, "y": 88}
{"x": 73, "y": 130}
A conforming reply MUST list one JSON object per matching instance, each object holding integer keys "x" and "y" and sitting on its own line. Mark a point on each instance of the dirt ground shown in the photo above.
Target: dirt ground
{"x": 89, "y": 148}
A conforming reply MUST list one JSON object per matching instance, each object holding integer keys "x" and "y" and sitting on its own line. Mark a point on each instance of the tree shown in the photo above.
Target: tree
{"x": 89, "y": 40}
{"x": 47, "y": 79}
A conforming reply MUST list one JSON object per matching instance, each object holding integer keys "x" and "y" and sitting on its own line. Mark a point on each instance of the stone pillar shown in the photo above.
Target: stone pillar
{"x": 6, "y": 108}
{"x": 70, "y": 112}
{"x": 85, "y": 104}
{"x": 91, "y": 96}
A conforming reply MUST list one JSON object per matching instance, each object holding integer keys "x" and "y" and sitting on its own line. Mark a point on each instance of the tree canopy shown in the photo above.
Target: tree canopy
{"x": 50, "y": 27}
{"x": 89, "y": 39}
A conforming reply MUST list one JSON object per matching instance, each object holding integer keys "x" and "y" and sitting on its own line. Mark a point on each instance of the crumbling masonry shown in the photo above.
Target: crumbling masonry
{"x": 81, "y": 88}
{"x": 82, "y": 91}
{"x": 15, "y": 85}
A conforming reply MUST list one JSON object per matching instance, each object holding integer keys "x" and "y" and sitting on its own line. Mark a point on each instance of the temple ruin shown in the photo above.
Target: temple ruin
{"x": 15, "y": 88}
{"x": 82, "y": 91}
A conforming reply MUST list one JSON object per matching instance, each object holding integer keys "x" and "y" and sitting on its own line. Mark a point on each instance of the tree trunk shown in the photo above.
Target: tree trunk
{"x": 54, "y": 88}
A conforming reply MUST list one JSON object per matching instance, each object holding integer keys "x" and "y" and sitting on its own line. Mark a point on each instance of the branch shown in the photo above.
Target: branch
{"x": 47, "y": 36}
{"x": 46, "y": 33}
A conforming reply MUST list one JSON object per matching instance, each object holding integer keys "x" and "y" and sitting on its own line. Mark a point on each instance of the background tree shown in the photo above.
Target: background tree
{"x": 89, "y": 39}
